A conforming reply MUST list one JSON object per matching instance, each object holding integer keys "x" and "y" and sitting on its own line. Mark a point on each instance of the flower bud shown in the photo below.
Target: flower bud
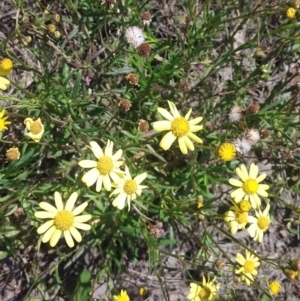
{"x": 295, "y": 264}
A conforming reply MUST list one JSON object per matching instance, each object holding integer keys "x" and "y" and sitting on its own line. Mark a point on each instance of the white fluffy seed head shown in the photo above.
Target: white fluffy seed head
{"x": 252, "y": 135}
{"x": 134, "y": 36}
{"x": 236, "y": 113}
{"x": 242, "y": 145}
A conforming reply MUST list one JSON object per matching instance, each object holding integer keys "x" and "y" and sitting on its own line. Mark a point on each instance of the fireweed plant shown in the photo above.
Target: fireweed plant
{"x": 143, "y": 137}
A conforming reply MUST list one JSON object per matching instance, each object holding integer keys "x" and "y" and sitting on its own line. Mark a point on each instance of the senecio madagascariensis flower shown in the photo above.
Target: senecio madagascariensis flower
{"x": 290, "y": 13}
{"x": 249, "y": 188}
{"x": 227, "y": 151}
{"x": 274, "y": 287}
{"x": 35, "y": 128}
{"x": 128, "y": 189}
{"x": 248, "y": 266}
{"x": 236, "y": 219}
{"x": 205, "y": 292}
{"x": 3, "y": 121}
{"x": 104, "y": 169}
{"x": 260, "y": 224}
{"x": 64, "y": 220}
{"x": 6, "y": 66}
{"x": 179, "y": 128}
{"x": 123, "y": 296}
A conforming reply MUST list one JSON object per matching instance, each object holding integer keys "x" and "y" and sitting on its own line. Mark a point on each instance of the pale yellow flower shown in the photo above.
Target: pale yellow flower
{"x": 105, "y": 169}
{"x": 248, "y": 266}
{"x": 236, "y": 219}
{"x": 250, "y": 187}
{"x": 35, "y": 128}
{"x": 179, "y": 128}
{"x": 260, "y": 224}
{"x": 205, "y": 292}
{"x": 64, "y": 220}
{"x": 128, "y": 189}
{"x": 3, "y": 121}
{"x": 122, "y": 297}
{"x": 4, "y": 83}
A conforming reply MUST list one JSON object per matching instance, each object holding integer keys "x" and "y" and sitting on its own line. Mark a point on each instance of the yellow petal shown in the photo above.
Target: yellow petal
{"x": 87, "y": 163}
{"x": 48, "y": 207}
{"x": 96, "y": 149}
{"x": 44, "y": 214}
{"x": 75, "y": 233}
{"x": 82, "y": 226}
{"x": 69, "y": 239}
{"x": 58, "y": 201}
{"x": 182, "y": 146}
{"x": 80, "y": 208}
{"x": 44, "y": 227}
{"x": 55, "y": 237}
{"x": 47, "y": 236}
{"x": 71, "y": 201}
{"x": 91, "y": 177}
{"x": 167, "y": 141}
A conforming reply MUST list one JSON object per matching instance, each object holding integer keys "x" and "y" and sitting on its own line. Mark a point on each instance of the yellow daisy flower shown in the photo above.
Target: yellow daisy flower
{"x": 4, "y": 82}
{"x": 6, "y": 66}
{"x": 206, "y": 292}
{"x": 128, "y": 189}
{"x": 260, "y": 224}
{"x": 3, "y": 121}
{"x": 35, "y": 128}
{"x": 227, "y": 151}
{"x": 105, "y": 169}
{"x": 290, "y": 13}
{"x": 250, "y": 187}
{"x": 180, "y": 128}
{"x": 122, "y": 297}
{"x": 236, "y": 219}
{"x": 64, "y": 220}
{"x": 274, "y": 287}
{"x": 248, "y": 266}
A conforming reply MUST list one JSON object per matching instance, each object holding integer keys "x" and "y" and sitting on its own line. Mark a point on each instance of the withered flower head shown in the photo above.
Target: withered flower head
{"x": 253, "y": 108}
{"x": 143, "y": 125}
{"x": 132, "y": 78}
{"x": 146, "y": 18}
{"x": 144, "y": 49}
{"x": 13, "y": 154}
{"x": 125, "y": 105}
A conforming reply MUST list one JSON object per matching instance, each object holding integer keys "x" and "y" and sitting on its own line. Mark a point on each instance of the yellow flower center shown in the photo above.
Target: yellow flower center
{"x": 35, "y": 127}
{"x": 130, "y": 187}
{"x": 64, "y": 220}
{"x": 180, "y": 127}
{"x": 249, "y": 266}
{"x": 241, "y": 218}
{"x": 244, "y": 206}
{"x": 274, "y": 287}
{"x": 6, "y": 64}
{"x": 105, "y": 165}
{"x": 263, "y": 223}
{"x": 250, "y": 186}
{"x": 204, "y": 293}
{"x": 227, "y": 151}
